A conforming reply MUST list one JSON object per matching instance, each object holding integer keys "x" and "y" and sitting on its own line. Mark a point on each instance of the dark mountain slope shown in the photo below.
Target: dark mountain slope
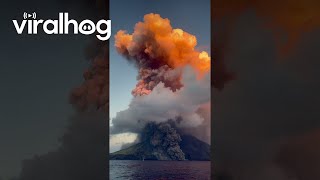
{"x": 193, "y": 148}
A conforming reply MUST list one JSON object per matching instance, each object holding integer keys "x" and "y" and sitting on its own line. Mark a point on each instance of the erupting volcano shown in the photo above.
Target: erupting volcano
{"x": 171, "y": 100}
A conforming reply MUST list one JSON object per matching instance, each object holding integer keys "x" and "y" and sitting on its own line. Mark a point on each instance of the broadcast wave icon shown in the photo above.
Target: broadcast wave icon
{"x": 27, "y": 15}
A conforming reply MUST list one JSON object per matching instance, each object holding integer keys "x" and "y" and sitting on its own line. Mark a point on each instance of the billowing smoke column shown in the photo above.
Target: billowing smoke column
{"x": 173, "y": 80}
{"x": 159, "y": 52}
{"x": 164, "y": 140}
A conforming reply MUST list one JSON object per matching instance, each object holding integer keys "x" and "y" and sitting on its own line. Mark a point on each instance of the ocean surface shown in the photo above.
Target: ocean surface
{"x": 159, "y": 170}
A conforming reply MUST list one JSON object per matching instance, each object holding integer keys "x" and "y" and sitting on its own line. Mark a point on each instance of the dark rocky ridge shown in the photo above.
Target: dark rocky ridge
{"x": 193, "y": 149}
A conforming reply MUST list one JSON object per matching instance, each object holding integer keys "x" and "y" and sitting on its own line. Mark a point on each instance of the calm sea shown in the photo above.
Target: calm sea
{"x": 159, "y": 170}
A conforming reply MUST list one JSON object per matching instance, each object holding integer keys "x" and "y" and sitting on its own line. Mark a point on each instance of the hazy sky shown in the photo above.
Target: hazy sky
{"x": 191, "y": 16}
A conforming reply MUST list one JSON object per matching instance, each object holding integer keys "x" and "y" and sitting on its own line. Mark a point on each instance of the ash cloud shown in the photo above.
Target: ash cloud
{"x": 163, "y": 139}
{"x": 173, "y": 78}
{"x": 149, "y": 78}
{"x": 191, "y": 103}
{"x": 159, "y": 52}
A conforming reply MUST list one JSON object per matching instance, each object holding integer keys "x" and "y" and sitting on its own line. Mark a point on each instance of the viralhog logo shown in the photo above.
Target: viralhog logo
{"x": 61, "y": 26}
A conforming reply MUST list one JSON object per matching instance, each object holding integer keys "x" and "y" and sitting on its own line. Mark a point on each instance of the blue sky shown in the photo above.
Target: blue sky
{"x": 190, "y": 15}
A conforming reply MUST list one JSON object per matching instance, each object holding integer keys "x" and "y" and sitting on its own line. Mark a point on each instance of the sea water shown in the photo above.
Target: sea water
{"x": 159, "y": 170}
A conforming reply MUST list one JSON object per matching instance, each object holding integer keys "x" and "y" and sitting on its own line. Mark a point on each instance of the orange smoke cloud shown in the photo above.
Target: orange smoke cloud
{"x": 177, "y": 45}
{"x": 156, "y": 46}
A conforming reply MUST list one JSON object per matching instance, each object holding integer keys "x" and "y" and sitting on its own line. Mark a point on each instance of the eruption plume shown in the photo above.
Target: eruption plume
{"x": 173, "y": 81}
{"x": 159, "y": 52}
{"x": 162, "y": 104}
